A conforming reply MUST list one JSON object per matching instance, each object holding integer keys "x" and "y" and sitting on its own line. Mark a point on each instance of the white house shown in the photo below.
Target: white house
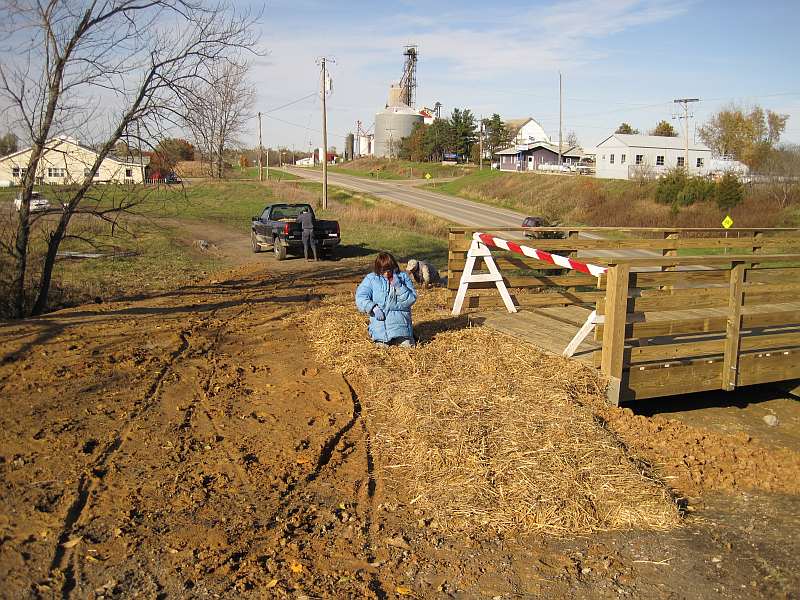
{"x": 65, "y": 160}
{"x": 527, "y": 131}
{"x": 623, "y": 156}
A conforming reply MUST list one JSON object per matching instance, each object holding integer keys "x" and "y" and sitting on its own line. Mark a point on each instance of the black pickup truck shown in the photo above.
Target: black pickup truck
{"x": 277, "y": 228}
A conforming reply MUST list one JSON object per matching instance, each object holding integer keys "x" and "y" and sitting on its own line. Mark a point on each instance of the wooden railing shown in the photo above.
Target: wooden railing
{"x": 682, "y": 310}
{"x": 735, "y": 323}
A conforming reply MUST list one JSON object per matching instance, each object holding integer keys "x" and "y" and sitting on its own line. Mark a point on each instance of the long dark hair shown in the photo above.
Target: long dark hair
{"x": 385, "y": 262}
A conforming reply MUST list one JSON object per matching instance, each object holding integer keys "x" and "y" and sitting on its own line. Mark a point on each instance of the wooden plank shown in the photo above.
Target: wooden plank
{"x": 668, "y": 352}
{"x": 616, "y": 310}
{"x": 683, "y": 279}
{"x": 733, "y": 328}
{"x": 640, "y": 383}
{"x": 772, "y": 341}
{"x": 541, "y": 331}
{"x": 714, "y": 345}
{"x": 721, "y": 259}
{"x": 766, "y": 367}
{"x": 534, "y": 300}
{"x": 773, "y": 275}
{"x": 538, "y": 281}
{"x": 706, "y": 324}
{"x": 701, "y": 298}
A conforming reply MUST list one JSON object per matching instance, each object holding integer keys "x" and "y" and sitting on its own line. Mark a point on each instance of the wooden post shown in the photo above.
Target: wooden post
{"x": 670, "y": 235}
{"x": 730, "y": 364}
{"x": 616, "y": 310}
{"x": 757, "y": 235}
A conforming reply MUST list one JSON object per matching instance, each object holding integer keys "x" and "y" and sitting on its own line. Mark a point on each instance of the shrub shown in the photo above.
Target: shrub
{"x": 670, "y": 186}
{"x": 696, "y": 189}
{"x": 729, "y": 191}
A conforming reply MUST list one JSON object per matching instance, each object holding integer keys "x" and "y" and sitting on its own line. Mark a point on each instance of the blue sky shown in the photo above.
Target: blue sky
{"x": 622, "y": 60}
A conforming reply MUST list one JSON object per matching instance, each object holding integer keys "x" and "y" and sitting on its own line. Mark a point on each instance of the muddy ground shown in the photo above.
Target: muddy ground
{"x": 189, "y": 445}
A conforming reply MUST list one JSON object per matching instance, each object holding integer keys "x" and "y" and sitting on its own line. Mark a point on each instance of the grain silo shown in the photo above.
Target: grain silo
{"x": 398, "y": 119}
{"x": 391, "y": 125}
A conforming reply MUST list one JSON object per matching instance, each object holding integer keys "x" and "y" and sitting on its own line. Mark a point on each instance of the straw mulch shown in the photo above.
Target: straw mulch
{"x": 481, "y": 431}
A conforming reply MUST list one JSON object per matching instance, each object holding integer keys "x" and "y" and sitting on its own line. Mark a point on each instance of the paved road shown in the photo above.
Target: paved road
{"x": 454, "y": 210}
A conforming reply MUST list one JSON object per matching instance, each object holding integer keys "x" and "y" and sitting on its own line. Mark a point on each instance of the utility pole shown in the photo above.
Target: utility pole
{"x": 685, "y": 103}
{"x": 560, "y": 111}
{"x": 480, "y": 145}
{"x": 324, "y": 89}
{"x": 260, "y": 151}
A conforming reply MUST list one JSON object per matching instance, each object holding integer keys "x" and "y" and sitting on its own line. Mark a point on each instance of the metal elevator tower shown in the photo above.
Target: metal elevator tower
{"x": 408, "y": 83}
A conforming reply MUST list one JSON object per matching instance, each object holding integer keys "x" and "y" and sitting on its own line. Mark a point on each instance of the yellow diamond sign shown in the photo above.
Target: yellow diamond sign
{"x": 427, "y": 175}
{"x": 727, "y": 222}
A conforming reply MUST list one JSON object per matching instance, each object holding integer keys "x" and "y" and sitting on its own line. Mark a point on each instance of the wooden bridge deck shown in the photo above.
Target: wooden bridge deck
{"x": 549, "y": 329}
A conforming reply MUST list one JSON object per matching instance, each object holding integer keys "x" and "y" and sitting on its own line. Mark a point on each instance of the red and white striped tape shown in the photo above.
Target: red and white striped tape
{"x": 554, "y": 259}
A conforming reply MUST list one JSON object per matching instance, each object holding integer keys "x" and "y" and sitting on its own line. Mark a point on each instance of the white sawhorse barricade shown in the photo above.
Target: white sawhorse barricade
{"x": 479, "y": 249}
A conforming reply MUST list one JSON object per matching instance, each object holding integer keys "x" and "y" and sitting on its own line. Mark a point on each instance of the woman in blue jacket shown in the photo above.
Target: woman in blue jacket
{"x": 386, "y": 295}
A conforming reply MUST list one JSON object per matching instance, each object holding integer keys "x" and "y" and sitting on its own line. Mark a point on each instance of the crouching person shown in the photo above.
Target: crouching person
{"x": 423, "y": 272}
{"x": 386, "y": 295}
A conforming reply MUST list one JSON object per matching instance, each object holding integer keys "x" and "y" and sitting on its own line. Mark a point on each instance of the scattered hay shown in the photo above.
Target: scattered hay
{"x": 482, "y": 431}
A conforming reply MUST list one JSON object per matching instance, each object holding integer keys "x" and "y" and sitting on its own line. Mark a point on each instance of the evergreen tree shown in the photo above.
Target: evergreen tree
{"x": 625, "y": 128}
{"x": 664, "y": 129}
{"x": 464, "y": 131}
{"x": 8, "y": 144}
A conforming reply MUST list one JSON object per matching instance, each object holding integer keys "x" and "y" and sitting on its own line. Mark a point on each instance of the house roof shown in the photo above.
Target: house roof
{"x": 513, "y": 150}
{"x": 654, "y": 141}
{"x": 514, "y": 125}
{"x": 53, "y": 143}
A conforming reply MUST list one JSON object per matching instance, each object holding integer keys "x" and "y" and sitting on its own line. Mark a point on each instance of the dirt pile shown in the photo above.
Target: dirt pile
{"x": 695, "y": 461}
{"x": 495, "y": 438}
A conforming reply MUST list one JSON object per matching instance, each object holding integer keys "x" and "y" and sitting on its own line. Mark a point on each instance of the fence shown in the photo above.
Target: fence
{"x": 681, "y": 310}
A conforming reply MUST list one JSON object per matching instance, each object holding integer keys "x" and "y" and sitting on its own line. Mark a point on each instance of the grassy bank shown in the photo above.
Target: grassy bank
{"x": 382, "y": 168}
{"x": 607, "y": 202}
{"x": 151, "y": 249}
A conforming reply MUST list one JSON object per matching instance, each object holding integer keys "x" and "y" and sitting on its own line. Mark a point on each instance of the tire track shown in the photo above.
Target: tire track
{"x": 87, "y": 483}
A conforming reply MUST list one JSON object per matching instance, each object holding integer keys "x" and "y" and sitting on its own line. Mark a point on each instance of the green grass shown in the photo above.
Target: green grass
{"x": 162, "y": 257}
{"x": 162, "y": 260}
{"x": 275, "y": 174}
{"x": 381, "y": 168}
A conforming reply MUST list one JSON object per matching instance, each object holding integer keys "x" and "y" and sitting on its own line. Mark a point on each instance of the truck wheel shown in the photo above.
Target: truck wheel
{"x": 280, "y": 249}
{"x": 254, "y": 242}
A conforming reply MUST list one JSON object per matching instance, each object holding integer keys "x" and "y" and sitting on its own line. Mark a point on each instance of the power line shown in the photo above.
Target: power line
{"x": 306, "y": 127}
{"x": 282, "y": 106}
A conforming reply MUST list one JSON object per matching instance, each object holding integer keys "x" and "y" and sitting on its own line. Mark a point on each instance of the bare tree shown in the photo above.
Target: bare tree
{"x": 107, "y": 68}
{"x": 572, "y": 140}
{"x": 218, "y": 109}
{"x": 780, "y": 174}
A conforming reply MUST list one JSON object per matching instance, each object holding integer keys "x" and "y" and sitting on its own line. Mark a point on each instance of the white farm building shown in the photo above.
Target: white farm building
{"x": 527, "y": 131}
{"x": 623, "y": 156}
{"x": 67, "y": 161}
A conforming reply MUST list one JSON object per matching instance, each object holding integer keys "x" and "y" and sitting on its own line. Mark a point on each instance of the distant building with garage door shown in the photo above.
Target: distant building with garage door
{"x": 623, "y": 156}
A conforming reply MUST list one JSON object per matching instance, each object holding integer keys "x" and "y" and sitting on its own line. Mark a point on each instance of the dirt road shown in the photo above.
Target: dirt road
{"x": 189, "y": 445}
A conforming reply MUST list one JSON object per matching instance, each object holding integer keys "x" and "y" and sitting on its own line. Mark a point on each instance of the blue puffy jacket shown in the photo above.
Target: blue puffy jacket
{"x": 394, "y": 301}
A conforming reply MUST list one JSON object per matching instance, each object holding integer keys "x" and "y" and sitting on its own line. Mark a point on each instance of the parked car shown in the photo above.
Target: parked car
{"x": 38, "y": 203}
{"x": 585, "y": 167}
{"x": 277, "y": 228}
{"x": 541, "y": 235}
